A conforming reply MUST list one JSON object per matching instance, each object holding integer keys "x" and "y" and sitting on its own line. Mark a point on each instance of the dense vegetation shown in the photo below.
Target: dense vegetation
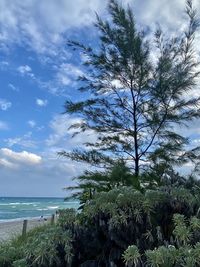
{"x": 43, "y": 246}
{"x": 158, "y": 227}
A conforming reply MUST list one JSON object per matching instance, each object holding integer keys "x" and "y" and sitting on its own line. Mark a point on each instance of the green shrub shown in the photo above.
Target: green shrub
{"x": 159, "y": 221}
{"x": 9, "y": 252}
{"x": 44, "y": 249}
{"x": 121, "y": 227}
{"x": 184, "y": 251}
{"x": 67, "y": 218}
{"x": 131, "y": 256}
{"x": 162, "y": 256}
{"x": 20, "y": 263}
{"x": 43, "y": 246}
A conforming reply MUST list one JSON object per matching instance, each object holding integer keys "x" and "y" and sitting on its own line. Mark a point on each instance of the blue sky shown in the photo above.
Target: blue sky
{"x": 38, "y": 73}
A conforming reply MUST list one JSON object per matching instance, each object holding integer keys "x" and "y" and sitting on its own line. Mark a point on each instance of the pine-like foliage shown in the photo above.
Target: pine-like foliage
{"x": 132, "y": 101}
{"x": 92, "y": 182}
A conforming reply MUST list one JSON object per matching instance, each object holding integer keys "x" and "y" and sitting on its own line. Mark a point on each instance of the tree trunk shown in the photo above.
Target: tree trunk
{"x": 135, "y": 135}
{"x": 137, "y": 166}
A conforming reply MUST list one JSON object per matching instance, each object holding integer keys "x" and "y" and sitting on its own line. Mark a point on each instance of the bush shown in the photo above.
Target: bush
{"x": 8, "y": 254}
{"x": 125, "y": 218}
{"x": 67, "y": 218}
{"x": 11, "y": 251}
{"x": 43, "y": 246}
{"x": 49, "y": 247}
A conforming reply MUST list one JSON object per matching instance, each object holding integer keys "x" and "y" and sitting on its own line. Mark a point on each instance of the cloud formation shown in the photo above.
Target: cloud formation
{"x": 13, "y": 87}
{"x": 41, "y": 102}
{"x": 35, "y": 175}
{"x": 24, "y": 141}
{"x": 19, "y": 157}
{"x": 5, "y": 104}
{"x": 61, "y": 136}
{"x": 19, "y": 21}
{"x": 31, "y": 123}
{"x": 67, "y": 74}
{"x": 24, "y": 69}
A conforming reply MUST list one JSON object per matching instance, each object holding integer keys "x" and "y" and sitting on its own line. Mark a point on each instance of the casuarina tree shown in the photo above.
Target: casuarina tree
{"x": 136, "y": 92}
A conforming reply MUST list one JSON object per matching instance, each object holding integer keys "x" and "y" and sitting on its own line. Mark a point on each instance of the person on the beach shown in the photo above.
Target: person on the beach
{"x": 42, "y": 218}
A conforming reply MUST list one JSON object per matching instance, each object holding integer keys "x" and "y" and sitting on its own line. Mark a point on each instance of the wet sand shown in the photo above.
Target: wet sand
{"x": 11, "y": 229}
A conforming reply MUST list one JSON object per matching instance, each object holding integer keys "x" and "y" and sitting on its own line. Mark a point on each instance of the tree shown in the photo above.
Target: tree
{"x": 92, "y": 182}
{"x": 134, "y": 102}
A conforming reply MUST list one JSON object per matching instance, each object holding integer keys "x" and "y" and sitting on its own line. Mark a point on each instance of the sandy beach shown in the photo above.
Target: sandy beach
{"x": 11, "y": 229}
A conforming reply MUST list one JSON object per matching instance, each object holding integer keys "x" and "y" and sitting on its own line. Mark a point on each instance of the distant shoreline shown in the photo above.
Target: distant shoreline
{"x": 14, "y": 209}
{"x": 22, "y": 219}
{"x": 13, "y": 228}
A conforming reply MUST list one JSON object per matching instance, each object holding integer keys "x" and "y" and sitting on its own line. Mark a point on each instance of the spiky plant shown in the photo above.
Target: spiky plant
{"x": 131, "y": 256}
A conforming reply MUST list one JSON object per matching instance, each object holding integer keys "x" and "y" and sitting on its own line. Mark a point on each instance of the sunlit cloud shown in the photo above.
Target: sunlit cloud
{"x": 24, "y": 156}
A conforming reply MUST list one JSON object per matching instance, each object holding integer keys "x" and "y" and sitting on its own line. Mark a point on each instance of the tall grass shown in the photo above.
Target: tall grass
{"x": 41, "y": 247}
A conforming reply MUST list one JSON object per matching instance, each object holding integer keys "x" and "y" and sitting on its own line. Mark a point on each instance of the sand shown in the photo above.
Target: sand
{"x": 11, "y": 229}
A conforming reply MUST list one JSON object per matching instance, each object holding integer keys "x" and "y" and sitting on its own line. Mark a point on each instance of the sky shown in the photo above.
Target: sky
{"x": 38, "y": 74}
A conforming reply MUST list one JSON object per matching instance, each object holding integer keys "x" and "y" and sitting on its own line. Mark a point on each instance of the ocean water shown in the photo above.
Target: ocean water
{"x": 12, "y": 208}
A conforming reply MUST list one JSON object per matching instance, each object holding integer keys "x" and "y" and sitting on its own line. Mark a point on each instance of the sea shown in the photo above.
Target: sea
{"x": 17, "y": 208}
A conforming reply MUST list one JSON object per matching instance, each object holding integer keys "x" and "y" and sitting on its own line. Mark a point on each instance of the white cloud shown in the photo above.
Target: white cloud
{"x": 31, "y": 174}
{"x": 67, "y": 73}
{"x": 23, "y": 141}
{"x": 3, "y": 125}
{"x": 59, "y": 126}
{"x": 40, "y": 25}
{"x": 4, "y": 65}
{"x": 170, "y": 14}
{"x": 63, "y": 79}
{"x": 20, "y": 157}
{"x": 61, "y": 136}
{"x": 47, "y": 178}
{"x": 5, "y": 104}
{"x": 13, "y": 87}
{"x": 41, "y": 102}
{"x": 40, "y": 128}
{"x": 24, "y": 69}
{"x": 31, "y": 123}
{"x": 7, "y": 164}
